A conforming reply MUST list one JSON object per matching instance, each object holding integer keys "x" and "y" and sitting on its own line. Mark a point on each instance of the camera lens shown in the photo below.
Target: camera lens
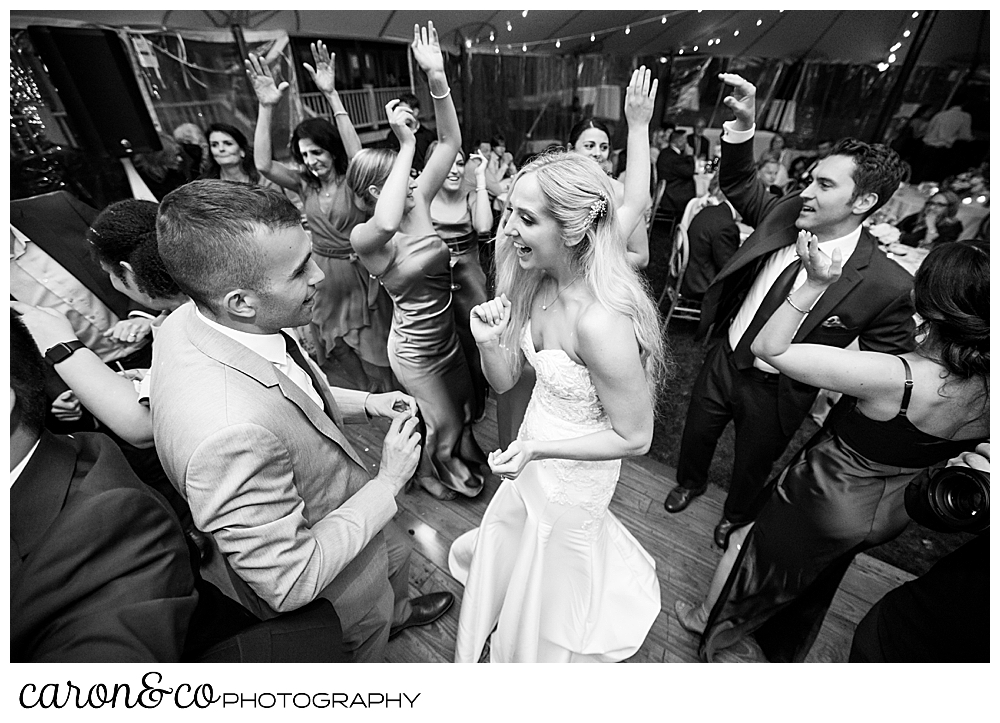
{"x": 961, "y": 496}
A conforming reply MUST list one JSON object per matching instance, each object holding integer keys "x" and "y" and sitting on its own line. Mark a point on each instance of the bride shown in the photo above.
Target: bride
{"x": 550, "y": 567}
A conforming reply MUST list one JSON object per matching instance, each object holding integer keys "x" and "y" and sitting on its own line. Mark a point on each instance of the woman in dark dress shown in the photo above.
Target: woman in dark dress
{"x": 843, "y": 492}
{"x": 399, "y": 245}
{"x": 935, "y": 224}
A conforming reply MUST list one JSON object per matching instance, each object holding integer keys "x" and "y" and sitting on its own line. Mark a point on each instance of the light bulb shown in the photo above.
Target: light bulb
{"x": 593, "y": 37}
{"x": 509, "y": 28}
{"x": 627, "y": 30}
{"x": 759, "y": 21}
{"x": 524, "y": 13}
{"x": 906, "y": 33}
{"x": 895, "y": 47}
{"x": 468, "y": 42}
{"x": 558, "y": 43}
{"x": 914, "y": 16}
{"x": 524, "y": 48}
{"x": 679, "y": 52}
{"x": 492, "y": 36}
{"x": 496, "y": 49}
{"x": 736, "y": 33}
{"x": 663, "y": 20}
{"x": 892, "y": 57}
{"x": 695, "y": 48}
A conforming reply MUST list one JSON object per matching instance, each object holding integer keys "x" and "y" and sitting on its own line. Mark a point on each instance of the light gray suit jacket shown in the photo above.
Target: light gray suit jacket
{"x": 267, "y": 473}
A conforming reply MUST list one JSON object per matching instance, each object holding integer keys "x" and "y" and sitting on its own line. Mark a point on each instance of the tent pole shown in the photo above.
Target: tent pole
{"x": 909, "y": 62}
{"x": 241, "y": 47}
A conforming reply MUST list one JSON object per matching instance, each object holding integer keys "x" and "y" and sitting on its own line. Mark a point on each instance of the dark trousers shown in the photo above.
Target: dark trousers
{"x": 749, "y": 398}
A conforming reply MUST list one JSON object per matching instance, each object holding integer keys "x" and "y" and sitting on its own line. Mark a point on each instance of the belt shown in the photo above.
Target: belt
{"x": 753, "y": 372}
{"x": 344, "y": 254}
{"x": 462, "y": 244}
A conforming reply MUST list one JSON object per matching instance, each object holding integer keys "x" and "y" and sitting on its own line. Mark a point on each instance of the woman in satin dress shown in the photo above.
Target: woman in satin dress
{"x": 399, "y": 245}
{"x": 461, "y": 218}
{"x": 551, "y": 575}
{"x": 843, "y": 492}
{"x": 351, "y": 316}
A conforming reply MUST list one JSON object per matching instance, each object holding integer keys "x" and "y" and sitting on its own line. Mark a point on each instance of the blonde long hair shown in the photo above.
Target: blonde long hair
{"x": 570, "y": 184}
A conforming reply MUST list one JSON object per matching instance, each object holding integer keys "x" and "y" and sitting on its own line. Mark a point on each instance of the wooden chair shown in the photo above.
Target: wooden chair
{"x": 659, "y": 214}
{"x": 679, "y": 306}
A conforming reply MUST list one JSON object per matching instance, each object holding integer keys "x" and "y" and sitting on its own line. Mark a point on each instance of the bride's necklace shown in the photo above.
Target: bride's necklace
{"x": 545, "y": 307}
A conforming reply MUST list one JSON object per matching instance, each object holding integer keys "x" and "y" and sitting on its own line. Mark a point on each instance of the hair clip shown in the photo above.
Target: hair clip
{"x": 597, "y": 210}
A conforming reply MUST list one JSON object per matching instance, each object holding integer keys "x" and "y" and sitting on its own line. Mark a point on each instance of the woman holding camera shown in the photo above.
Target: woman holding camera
{"x": 843, "y": 492}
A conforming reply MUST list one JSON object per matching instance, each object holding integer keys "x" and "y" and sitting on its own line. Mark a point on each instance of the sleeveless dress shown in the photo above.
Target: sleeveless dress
{"x": 350, "y": 305}
{"x": 550, "y": 566}
{"x": 427, "y": 359}
{"x": 468, "y": 289}
{"x": 841, "y": 494}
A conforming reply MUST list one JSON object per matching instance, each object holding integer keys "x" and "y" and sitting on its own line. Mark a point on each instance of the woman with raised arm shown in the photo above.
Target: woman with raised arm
{"x": 460, "y": 217}
{"x": 352, "y": 314}
{"x": 843, "y": 492}
{"x": 398, "y": 244}
{"x": 550, "y": 568}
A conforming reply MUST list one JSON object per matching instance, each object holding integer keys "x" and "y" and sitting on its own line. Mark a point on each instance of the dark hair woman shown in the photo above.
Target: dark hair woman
{"x": 843, "y": 492}
{"x": 230, "y": 154}
{"x": 352, "y": 313}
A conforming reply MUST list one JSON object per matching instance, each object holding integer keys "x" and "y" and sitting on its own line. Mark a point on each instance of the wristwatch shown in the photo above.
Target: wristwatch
{"x": 63, "y": 350}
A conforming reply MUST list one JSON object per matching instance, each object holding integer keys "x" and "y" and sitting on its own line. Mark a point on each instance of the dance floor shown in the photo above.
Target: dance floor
{"x": 681, "y": 545}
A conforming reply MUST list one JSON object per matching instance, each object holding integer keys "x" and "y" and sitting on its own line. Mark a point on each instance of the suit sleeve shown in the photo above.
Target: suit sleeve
{"x": 892, "y": 331}
{"x": 351, "y": 403}
{"x": 112, "y": 583}
{"x": 739, "y": 182}
{"x": 240, "y": 484}
{"x": 725, "y": 243}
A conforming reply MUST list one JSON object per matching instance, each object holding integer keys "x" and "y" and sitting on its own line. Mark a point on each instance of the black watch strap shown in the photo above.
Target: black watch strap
{"x": 62, "y": 350}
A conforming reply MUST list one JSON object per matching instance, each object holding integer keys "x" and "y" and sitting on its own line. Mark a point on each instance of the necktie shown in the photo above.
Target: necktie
{"x": 296, "y": 354}
{"x": 772, "y": 300}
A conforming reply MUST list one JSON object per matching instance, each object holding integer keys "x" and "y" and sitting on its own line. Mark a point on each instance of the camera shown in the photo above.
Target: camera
{"x": 950, "y": 499}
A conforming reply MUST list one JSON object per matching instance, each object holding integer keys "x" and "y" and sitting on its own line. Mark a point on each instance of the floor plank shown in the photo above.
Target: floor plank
{"x": 680, "y": 544}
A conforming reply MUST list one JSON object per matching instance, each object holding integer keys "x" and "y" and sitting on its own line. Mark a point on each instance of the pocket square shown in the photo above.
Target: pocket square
{"x": 834, "y": 322}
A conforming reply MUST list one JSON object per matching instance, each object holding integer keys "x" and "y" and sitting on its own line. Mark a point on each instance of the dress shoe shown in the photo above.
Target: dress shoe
{"x": 689, "y": 616}
{"x": 424, "y": 609}
{"x": 680, "y": 497}
{"x": 722, "y": 532}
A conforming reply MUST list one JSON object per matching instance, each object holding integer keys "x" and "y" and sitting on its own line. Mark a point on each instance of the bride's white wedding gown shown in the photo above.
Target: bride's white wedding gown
{"x": 556, "y": 572}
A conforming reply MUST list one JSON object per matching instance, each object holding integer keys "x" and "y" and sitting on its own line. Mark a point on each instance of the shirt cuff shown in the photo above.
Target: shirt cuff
{"x": 135, "y": 314}
{"x": 731, "y": 135}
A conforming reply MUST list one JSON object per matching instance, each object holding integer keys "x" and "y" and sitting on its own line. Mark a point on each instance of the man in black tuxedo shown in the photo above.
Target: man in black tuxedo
{"x": 675, "y": 166}
{"x": 871, "y": 302}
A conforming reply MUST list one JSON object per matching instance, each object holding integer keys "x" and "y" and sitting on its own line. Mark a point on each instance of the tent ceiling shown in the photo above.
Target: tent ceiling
{"x": 832, "y": 35}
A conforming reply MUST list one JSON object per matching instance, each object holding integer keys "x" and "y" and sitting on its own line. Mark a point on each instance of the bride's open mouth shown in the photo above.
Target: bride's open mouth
{"x": 521, "y": 249}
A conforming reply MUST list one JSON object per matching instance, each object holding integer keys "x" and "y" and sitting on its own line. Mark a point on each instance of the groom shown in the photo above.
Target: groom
{"x": 871, "y": 303}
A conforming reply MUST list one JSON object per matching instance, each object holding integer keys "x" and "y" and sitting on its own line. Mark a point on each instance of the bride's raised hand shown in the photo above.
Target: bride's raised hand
{"x": 510, "y": 462}
{"x": 427, "y": 49}
{"x": 489, "y": 319}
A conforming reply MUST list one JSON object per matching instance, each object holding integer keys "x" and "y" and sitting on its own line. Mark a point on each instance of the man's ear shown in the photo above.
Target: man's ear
{"x": 241, "y": 303}
{"x": 864, "y": 203}
{"x": 374, "y": 191}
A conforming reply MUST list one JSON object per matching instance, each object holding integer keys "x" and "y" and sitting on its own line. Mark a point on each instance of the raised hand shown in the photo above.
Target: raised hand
{"x": 427, "y": 49}
{"x": 268, "y": 92}
{"x": 47, "y": 326}
{"x": 480, "y": 168}
{"x": 742, "y": 101}
{"x": 488, "y": 320}
{"x": 322, "y": 74}
{"x": 400, "y": 120}
{"x": 821, "y": 270}
{"x": 640, "y": 97}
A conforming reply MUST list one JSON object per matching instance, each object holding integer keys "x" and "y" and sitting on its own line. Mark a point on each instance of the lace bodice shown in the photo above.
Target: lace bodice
{"x": 564, "y": 405}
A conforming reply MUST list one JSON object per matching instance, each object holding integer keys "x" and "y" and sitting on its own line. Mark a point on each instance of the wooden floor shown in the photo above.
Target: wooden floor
{"x": 681, "y": 544}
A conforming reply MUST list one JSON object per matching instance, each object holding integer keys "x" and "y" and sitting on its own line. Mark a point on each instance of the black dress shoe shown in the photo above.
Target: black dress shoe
{"x": 424, "y": 609}
{"x": 722, "y": 532}
{"x": 680, "y": 497}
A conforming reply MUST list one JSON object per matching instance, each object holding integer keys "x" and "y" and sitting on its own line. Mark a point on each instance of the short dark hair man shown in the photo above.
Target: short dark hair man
{"x": 870, "y": 303}
{"x": 250, "y": 433}
{"x": 100, "y": 571}
{"x": 676, "y": 167}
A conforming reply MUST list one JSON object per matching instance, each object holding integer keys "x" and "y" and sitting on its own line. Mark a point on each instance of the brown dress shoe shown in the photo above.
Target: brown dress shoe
{"x": 680, "y": 497}
{"x": 424, "y": 610}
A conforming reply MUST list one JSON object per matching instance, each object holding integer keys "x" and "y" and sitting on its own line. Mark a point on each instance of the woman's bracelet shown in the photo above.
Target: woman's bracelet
{"x": 441, "y": 97}
{"x": 341, "y": 112}
{"x": 480, "y": 188}
{"x": 804, "y": 312}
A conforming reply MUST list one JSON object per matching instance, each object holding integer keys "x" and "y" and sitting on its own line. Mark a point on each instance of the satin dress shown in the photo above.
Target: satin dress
{"x": 841, "y": 494}
{"x": 550, "y": 567}
{"x": 427, "y": 359}
{"x": 350, "y": 305}
{"x": 468, "y": 290}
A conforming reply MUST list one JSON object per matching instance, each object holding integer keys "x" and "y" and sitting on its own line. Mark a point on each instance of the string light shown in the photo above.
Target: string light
{"x": 736, "y": 33}
{"x": 509, "y": 28}
{"x": 892, "y": 57}
{"x": 759, "y": 21}
{"x": 663, "y": 20}
{"x": 895, "y": 47}
{"x": 524, "y": 13}
{"x": 492, "y": 36}
{"x": 679, "y": 52}
{"x": 627, "y": 30}
{"x": 524, "y": 48}
{"x": 468, "y": 42}
{"x": 906, "y": 33}
{"x": 883, "y": 67}
{"x": 915, "y": 15}
{"x": 558, "y": 43}
{"x": 696, "y": 48}
{"x": 496, "y": 49}
{"x": 593, "y": 37}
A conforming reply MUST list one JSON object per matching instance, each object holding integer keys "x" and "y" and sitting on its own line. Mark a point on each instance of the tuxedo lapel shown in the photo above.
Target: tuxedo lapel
{"x": 849, "y": 278}
{"x": 39, "y": 493}
{"x": 232, "y": 354}
{"x": 765, "y": 240}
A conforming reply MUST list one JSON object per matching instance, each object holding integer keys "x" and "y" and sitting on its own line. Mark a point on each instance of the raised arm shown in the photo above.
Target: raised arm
{"x": 608, "y": 348}
{"x": 862, "y": 374}
{"x": 323, "y": 77}
{"x": 427, "y": 53}
{"x": 639, "y": 99}
{"x": 268, "y": 95}
{"x": 369, "y": 238}
{"x": 109, "y": 396}
{"x": 482, "y": 214}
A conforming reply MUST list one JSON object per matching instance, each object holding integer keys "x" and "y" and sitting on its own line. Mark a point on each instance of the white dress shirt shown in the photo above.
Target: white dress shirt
{"x": 272, "y": 348}
{"x": 16, "y": 472}
{"x": 775, "y": 264}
